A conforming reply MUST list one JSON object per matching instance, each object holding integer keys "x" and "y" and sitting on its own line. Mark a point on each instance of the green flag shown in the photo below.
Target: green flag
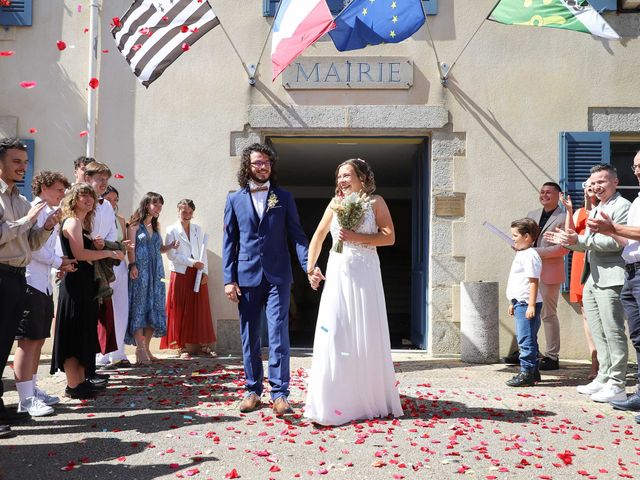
{"x": 575, "y": 15}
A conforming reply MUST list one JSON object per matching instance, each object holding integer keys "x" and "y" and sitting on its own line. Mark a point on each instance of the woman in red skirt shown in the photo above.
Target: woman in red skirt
{"x": 189, "y": 325}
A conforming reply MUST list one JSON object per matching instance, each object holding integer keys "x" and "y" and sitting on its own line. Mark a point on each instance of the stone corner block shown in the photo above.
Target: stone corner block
{"x": 614, "y": 119}
{"x": 448, "y": 145}
{"x": 241, "y": 140}
{"x": 228, "y": 336}
{"x": 8, "y": 126}
{"x": 444, "y": 338}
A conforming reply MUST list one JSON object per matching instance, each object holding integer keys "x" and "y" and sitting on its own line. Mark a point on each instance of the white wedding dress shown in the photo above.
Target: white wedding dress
{"x": 352, "y": 375}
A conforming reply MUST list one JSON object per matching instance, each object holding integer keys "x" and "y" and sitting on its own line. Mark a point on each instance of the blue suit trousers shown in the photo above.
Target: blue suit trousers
{"x": 276, "y": 300}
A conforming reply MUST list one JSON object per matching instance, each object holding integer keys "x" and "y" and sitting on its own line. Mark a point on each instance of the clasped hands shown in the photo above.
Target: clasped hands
{"x": 600, "y": 224}
{"x": 315, "y": 277}
{"x": 233, "y": 293}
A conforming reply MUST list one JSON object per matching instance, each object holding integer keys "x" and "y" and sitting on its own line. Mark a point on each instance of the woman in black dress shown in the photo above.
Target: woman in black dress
{"x": 76, "y": 334}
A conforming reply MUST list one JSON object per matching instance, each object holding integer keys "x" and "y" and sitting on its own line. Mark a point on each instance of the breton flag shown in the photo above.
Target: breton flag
{"x": 575, "y": 15}
{"x": 152, "y": 34}
{"x": 366, "y": 22}
{"x": 297, "y": 25}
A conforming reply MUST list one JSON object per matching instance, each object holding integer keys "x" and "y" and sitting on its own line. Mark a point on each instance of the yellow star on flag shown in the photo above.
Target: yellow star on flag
{"x": 395, "y": 19}
{"x": 364, "y": 11}
{"x": 393, "y": 5}
{"x": 392, "y": 34}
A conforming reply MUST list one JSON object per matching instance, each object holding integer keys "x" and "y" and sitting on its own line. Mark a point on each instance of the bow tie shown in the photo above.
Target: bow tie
{"x": 263, "y": 188}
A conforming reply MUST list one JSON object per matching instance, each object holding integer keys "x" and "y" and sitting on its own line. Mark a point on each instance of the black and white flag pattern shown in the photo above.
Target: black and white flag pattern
{"x": 152, "y": 34}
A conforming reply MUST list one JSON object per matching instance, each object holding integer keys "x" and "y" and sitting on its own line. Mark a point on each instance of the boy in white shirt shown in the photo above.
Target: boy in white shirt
{"x": 35, "y": 325}
{"x": 526, "y": 300}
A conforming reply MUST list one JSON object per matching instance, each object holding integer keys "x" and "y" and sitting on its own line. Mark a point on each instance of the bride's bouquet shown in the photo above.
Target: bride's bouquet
{"x": 349, "y": 212}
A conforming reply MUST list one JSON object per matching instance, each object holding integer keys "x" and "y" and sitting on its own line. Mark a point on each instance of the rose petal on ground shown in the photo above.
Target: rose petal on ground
{"x": 28, "y": 85}
{"x": 61, "y": 45}
{"x": 84, "y": 133}
{"x": 7, "y": 53}
{"x": 94, "y": 82}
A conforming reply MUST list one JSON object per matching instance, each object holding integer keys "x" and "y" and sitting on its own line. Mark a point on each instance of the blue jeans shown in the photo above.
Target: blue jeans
{"x": 527, "y": 335}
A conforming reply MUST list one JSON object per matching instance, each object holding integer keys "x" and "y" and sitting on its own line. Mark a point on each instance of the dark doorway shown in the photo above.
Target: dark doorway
{"x": 306, "y": 167}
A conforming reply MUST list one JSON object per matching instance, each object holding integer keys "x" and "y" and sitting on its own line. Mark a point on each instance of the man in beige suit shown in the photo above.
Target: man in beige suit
{"x": 550, "y": 217}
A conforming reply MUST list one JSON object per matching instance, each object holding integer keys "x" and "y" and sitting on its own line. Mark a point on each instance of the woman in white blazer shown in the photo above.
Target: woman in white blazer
{"x": 189, "y": 325}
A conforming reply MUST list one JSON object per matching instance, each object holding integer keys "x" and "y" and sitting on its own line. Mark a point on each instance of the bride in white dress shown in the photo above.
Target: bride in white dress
{"x": 352, "y": 375}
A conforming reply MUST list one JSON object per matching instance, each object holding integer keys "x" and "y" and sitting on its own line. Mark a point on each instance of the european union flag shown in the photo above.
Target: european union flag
{"x": 371, "y": 22}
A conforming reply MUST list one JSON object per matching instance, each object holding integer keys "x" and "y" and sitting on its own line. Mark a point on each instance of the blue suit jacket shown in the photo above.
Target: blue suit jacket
{"x": 253, "y": 247}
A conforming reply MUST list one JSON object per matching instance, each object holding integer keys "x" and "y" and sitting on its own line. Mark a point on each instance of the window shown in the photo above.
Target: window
{"x": 25, "y": 185}
{"x": 270, "y": 7}
{"x": 622, "y": 153}
{"x": 18, "y": 13}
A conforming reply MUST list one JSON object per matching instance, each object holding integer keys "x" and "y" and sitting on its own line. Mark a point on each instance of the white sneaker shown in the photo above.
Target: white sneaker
{"x": 608, "y": 393}
{"x": 45, "y": 397}
{"x": 35, "y": 407}
{"x": 591, "y": 388}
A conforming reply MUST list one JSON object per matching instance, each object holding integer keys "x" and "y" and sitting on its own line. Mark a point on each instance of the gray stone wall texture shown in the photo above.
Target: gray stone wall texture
{"x": 446, "y": 270}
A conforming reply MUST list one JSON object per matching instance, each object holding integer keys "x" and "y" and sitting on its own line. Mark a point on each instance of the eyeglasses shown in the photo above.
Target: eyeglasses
{"x": 261, "y": 164}
{"x": 635, "y": 167}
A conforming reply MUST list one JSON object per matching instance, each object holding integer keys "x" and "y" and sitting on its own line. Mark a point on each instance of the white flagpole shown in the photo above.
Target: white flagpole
{"x": 92, "y": 99}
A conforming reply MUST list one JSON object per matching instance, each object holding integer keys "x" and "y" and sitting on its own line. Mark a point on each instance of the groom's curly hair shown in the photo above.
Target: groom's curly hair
{"x": 364, "y": 172}
{"x": 244, "y": 174}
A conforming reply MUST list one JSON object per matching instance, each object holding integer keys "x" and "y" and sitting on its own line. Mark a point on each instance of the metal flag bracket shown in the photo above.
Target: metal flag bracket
{"x": 445, "y": 68}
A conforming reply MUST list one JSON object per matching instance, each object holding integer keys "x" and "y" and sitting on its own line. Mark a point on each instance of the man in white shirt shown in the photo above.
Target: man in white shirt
{"x": 97, "y": 175}
{"x": 35, "y": 325}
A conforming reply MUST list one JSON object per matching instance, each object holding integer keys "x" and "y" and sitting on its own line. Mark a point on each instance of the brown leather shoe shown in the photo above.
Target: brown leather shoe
{"x": 281, "y": 406}
{"x": 249, "y": 403}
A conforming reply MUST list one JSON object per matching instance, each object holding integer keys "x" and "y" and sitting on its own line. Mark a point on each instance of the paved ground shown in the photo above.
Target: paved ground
{"x": 179, "y": 419}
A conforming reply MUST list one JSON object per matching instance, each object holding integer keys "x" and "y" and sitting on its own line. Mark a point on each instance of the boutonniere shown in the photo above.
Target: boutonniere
{"x": 272, "y": 201}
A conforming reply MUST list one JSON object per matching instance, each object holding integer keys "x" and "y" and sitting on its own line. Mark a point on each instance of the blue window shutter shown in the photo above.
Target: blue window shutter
{"x": 579, "y": 151}
{"x": 604, "y": 5}
{"x": 18, "y": 13}
{"x": 430, "y": 7}
{"x": 269, "y": 7}
{"x": 25, "y": 185}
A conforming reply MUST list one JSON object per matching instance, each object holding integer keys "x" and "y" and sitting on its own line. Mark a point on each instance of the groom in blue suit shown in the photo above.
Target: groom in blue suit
{"x": 260, "y": 220}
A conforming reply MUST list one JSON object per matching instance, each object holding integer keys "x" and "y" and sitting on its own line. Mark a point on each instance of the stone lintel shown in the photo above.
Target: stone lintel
{"x": 338, "y": 117}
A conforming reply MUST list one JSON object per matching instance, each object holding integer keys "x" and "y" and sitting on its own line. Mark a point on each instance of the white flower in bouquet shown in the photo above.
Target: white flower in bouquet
{"x": 349, "y": 211}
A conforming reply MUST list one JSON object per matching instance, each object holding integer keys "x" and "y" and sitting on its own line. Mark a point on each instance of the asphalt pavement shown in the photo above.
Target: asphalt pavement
{"x": 179, "y": 419}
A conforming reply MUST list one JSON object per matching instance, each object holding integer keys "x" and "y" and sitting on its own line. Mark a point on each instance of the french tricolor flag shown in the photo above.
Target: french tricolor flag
{"x": 297, "y": 25}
